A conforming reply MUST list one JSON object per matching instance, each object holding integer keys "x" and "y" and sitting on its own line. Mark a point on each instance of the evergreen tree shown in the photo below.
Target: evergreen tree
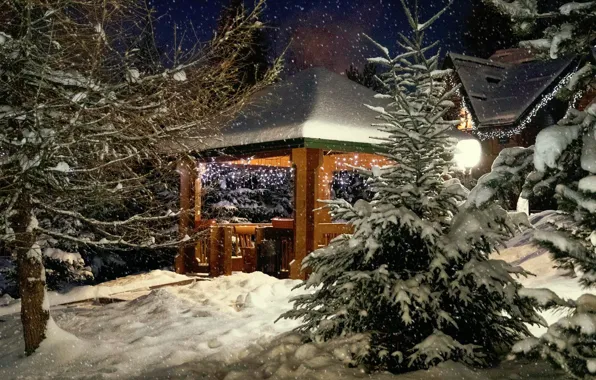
{"x": 564, "y": 161}
{"x": 487, "y": 31}
{"x": 367, "y": 77}
{"x": 251, "y": 57}
{"x": 415, "y": 276}
{"x": 83, "y": 137}
{"x": 144, "y": 56}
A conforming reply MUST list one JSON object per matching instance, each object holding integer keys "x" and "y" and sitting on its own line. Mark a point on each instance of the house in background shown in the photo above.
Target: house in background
{"x": 507, "y": 99}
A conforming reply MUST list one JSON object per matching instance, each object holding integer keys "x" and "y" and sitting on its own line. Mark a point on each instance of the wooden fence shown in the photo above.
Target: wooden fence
{"x": 225, "y": 248}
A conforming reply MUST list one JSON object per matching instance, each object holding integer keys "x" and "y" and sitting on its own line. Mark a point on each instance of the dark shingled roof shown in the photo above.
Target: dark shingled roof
{"x": 500, "y": 94}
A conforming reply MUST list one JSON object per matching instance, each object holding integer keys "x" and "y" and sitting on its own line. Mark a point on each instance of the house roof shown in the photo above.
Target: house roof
{"x": 314, "y": 108}
{"x": 513, "y": 56}
{"x": 499, "y": 93}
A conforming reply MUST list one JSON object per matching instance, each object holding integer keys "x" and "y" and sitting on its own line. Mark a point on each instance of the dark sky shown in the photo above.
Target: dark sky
{"x": 323, "y": 32}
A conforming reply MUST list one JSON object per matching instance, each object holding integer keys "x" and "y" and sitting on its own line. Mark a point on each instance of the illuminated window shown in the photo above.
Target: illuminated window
{"x": 465, "y": 119}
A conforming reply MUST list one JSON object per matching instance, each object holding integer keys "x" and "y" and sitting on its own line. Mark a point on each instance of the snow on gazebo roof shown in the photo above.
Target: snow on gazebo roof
{"x": 315, "y": 108}
{"x": 500, "y": 93}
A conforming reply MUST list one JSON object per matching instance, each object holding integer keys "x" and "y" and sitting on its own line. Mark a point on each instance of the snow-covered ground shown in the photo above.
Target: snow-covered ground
{"x": 220, "y": 329}
{"x": 108, "y": 289}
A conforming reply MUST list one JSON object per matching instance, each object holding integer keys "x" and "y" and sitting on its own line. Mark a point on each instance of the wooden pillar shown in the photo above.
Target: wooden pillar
{"x": 324, "y": 180}
{"x": 199, "y": 193}
{"x": 185, "y": 260}
{"x": 227, "y": 251}
{"x": 215, "y": 251}
{"x": 306, "y": 162}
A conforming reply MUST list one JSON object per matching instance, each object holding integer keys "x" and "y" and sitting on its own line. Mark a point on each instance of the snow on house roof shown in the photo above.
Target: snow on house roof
{"x": 501, "y": 93}
{"x": 513, "y": 55}
{"x": 313, "y": 104}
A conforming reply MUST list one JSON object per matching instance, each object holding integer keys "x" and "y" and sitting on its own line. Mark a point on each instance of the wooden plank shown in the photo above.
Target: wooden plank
{"x": 199, "y": 192}
{"x": 214, "y": 249}
{"x": 183, "y": 223}
{"x": 323, "y": 188}
{"x": 227, "y": 251}
{"x": 307, "y": 162}
{"x": 237, "y": 264}
{"x": 328, "y": 231}
{"x": 250, "y": 260}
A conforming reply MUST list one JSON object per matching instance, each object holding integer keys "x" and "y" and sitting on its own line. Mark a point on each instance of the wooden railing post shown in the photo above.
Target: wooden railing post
{"x": 227, "y": 251}
{"x": 214, "y": 252}
{"x": 185, "y": 261}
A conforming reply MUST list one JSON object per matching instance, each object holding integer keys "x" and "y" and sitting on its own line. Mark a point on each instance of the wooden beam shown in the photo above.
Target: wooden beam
{"x": 227, "y": 251}
{"x": 306, "y": 162}
{"x": 215, "y": 249}
{"x": 199, "y": 193}
{"x": 323, "y": 188}
{"x": 184, "y": 169}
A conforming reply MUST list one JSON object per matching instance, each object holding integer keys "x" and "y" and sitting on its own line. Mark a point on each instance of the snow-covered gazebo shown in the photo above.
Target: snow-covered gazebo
{"x": 314, "y": 122}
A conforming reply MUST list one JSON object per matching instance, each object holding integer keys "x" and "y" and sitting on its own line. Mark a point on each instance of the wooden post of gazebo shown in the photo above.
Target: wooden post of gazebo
{"x": 323, "y": 188}
{"x": 306, "y": 162}
{"x": 185, "y": 260}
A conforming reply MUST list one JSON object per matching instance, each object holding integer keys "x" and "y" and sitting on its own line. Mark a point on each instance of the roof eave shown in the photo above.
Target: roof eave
{"x": 234, "y": 152}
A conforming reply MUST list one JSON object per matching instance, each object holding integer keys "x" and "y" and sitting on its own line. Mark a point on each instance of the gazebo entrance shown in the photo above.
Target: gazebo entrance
{"x": 277, "y": 246}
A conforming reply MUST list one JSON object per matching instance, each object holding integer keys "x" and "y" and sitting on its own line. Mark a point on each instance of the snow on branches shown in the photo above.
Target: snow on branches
{"x": 564, "y": 158}
{"x": 415, "y": 276}
{"x": 91, "y": 116}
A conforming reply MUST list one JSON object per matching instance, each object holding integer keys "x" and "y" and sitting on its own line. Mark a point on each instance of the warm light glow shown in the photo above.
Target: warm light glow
{"x": 468, "y": 153}
{"x": 466, "y": 123}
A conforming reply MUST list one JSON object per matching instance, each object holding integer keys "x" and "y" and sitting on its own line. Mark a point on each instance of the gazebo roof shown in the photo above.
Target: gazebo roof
{"x": 500, "y": 93}
{"x": 314, "y": 108}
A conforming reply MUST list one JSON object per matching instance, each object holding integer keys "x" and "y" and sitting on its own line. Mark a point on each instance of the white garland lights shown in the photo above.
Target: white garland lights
{"x": 260, "y": 176}
{"x": 247, "y": 175}
{"x": 524, "y": 123}
{"x": 573, "y": 102}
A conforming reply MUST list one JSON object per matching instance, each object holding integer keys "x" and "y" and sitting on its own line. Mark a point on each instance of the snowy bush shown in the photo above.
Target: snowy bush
{"x": 571, "y": 342}
{"x": 64, "y": 268}
{"x": 415, "y": 276}
{"x": 254, "y": 194}
{"x": 350, "y": 186}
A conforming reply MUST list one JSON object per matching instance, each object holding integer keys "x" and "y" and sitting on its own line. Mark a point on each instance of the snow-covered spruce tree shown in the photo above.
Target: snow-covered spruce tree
{"x": 564, "y": 163}
{"x": 415, "y": 276}
{"x": 565, "y": 158}
{"x": 568, "y": 28}
{"x": 83, "y": 131}
{"x": 232, "y": 193}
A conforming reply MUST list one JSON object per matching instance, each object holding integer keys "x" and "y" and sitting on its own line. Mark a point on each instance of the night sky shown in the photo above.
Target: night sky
{"x": 324, "y": 33}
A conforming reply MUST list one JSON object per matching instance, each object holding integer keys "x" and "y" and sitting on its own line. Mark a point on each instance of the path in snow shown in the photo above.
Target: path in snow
{"x": 137, "y": 282}
{"x": 206, "y": 321}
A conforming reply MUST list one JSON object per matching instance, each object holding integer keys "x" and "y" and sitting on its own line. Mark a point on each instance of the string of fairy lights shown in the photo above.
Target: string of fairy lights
{"x": 249, "y": 176}
{"x": 253, "y": 176}
{"x": 506, "y": 133}
{"x": 573, "y": 102}
{"x": 470, "y": 124}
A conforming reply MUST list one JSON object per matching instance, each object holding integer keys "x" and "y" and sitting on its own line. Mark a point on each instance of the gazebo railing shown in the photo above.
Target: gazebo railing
{"x": 325, "y": 232}
{"x": 246, "y": 247}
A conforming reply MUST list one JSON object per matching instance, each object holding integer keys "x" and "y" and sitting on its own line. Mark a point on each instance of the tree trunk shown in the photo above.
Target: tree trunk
{"x": 32, "y": 279}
